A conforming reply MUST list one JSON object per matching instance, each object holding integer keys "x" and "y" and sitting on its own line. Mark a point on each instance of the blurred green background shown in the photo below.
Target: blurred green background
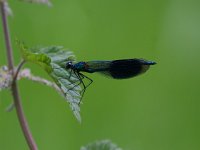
{"x": 159, "y": 110}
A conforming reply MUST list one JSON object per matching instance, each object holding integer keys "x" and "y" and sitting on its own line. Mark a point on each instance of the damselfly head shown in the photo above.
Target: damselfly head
{"x": 69, "y": 65}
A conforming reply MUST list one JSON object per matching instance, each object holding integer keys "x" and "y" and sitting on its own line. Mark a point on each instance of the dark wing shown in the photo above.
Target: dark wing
{"x": 127, "y": 68}
{"x": 120, "y": 69}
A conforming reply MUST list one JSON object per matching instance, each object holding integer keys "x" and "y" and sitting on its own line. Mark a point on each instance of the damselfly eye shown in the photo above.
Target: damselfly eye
{"x": 69, "y": 65}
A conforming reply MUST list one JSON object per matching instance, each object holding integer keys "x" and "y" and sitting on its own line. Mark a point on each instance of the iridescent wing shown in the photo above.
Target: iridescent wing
{"x": 125, "y": 68}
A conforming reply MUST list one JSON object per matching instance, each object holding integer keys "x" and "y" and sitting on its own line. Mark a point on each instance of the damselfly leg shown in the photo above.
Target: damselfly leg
{"x": 84, "y": 86}
{"x": 80, "y": 77}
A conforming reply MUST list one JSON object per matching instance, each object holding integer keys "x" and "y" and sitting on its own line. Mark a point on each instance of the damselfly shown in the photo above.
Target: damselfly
{"x": 117, "y": 69}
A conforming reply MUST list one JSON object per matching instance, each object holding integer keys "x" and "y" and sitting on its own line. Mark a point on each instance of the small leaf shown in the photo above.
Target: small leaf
{"x": 53, "y": 59}
{"x": 35, "y": 57}
{"x": 101, "y": 145}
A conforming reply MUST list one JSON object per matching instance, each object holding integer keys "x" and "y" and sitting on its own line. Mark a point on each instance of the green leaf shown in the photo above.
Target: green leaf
{"x": 101, "y": 145}
{"x": 53, "y": 59}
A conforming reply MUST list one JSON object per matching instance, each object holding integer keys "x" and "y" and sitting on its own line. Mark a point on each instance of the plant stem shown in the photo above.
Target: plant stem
{"x": 17, "y": 100}
{"x": 6, "y": 36}
{"x": 18, "y": 69}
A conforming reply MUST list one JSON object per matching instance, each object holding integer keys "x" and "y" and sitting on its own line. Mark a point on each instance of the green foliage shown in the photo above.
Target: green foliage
{"x": 53, "y": 59}
{"x": 101, "y": 145}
